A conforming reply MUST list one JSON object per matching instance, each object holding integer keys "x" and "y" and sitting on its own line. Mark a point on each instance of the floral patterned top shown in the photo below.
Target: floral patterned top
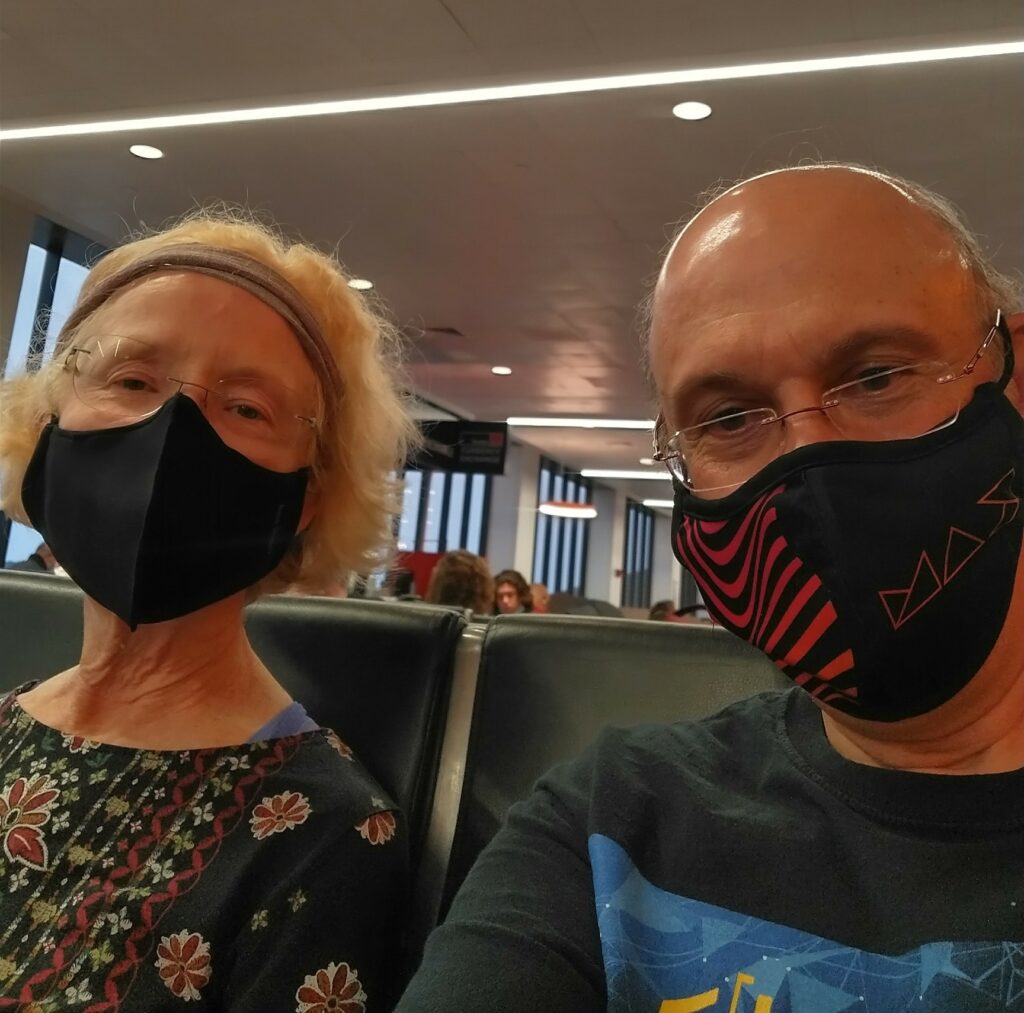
{"x": 266, "y": 876}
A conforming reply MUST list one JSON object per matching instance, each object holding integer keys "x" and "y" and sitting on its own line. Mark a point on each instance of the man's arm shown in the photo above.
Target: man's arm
{"x": 522, "y": 932}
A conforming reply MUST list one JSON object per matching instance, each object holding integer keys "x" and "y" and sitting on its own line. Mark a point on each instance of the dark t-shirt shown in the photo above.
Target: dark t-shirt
{"x": 740, "y": 865}
{"x": 265, "y": 876}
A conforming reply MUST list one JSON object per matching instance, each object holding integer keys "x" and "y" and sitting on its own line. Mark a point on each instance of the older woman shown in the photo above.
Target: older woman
{"x": 220, "y": 420}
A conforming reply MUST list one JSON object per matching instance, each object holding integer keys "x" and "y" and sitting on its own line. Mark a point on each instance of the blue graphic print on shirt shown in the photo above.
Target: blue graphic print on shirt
{"x": 665, "y": 953}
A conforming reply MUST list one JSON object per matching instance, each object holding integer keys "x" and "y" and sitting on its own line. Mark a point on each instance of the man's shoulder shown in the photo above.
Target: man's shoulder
{"x": 749, "y": 724}
{"x": 729, "y": 747}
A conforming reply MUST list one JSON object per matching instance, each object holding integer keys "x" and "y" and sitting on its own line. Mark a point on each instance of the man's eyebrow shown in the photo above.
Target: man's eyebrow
{"x": 896, "y": 336}
{"x": 844, "y": 350}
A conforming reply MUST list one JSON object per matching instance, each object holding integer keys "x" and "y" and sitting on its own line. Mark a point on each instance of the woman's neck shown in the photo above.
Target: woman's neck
{"x": 189, "y": 683}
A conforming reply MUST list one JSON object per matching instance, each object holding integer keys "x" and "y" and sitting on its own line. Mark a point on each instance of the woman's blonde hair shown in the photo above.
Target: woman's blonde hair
{"x": 365, "y": 440}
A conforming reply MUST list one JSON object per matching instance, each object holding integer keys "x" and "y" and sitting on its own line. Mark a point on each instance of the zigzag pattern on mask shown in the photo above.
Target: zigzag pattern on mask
{"x": 902, "y": 604}
{"x": 755, "y": 585}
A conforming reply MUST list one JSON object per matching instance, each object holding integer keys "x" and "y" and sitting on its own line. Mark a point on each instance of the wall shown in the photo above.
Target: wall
{"x": 511, "y": 526}
{"x": 601, "y": 535}
{"x": 16, "y": 224}
{"x": 618, "y": 548}
{"x": 665, "y": 572}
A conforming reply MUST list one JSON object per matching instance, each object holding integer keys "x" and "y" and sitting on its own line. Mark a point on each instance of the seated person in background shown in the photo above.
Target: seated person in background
{"x": 540, "y": 598}
{"x": 401, "y": 585}
{"x": 175, "y": 826}
{"x": 661, "y": 610}
{"x": 841, "y": 413}
{"x": 41, "y": 561}
{"x": 691, "y": 615}
{"x": 463, "y": 579}
{"x": 511, "y": 593}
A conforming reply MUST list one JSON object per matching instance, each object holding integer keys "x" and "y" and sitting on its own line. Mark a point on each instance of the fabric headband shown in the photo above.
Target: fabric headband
{"x": 239, "y": 269}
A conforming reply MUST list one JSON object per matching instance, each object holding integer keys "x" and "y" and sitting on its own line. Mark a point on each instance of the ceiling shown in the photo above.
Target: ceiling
{"x": 530, "y": 227}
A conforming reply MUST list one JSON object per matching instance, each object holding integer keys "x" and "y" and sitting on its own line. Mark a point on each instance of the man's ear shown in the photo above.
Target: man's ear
{"x": 1015, "y": 322}
{"x": 310, "y": 506}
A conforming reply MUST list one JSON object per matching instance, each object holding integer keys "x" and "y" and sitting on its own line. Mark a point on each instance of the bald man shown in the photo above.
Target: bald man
{"x": 841, "y": 413}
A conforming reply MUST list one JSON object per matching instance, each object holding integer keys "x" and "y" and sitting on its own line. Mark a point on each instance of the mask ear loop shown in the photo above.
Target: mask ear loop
{"x": 1010, "y": 365}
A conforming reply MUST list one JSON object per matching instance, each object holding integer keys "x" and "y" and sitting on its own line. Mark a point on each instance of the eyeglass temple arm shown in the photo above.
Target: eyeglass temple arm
{"x": 999, "y": 327}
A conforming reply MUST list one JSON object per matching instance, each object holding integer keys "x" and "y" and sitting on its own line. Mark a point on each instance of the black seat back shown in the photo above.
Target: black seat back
{"x": 548, "y": 684}
{"x": 377, "y": 673}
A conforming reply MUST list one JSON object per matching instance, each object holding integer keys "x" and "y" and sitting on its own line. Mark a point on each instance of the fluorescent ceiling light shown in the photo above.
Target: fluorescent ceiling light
{"x": 562, "y": 423}
{"x": 537, "y": 89}
{"x": 360, "y": 284}
{"x": 575, "y": 511}
{"x": 501, "y": 370}
{"x": 659, "y": 476}
{"x": 691, "y": 111}
{"x": 145, "y": 151}
{"x": 659, "y": 503}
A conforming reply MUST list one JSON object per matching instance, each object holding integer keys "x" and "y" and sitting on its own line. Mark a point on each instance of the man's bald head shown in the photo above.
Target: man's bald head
{"x": 804, "y": 229}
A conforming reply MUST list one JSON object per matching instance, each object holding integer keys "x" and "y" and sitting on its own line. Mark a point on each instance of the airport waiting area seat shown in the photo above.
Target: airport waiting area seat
{"x": 378, "y": 675}
{"x": 548, "y": 684}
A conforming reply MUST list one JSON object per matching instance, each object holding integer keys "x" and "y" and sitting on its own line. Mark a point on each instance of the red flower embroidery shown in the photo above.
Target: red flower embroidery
{"x": 344, "y": 751}
{"x": 24, "y": 808}
{"x": 377, "y": 828}
{"x": 333, "y": 989}
{"x": 183, "y": 961}
{"x": 282, "y": 812}
{"x": 78, "y": 744}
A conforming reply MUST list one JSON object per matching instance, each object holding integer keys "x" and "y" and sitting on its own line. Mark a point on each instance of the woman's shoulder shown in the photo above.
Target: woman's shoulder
{"x": 329, "y": 778}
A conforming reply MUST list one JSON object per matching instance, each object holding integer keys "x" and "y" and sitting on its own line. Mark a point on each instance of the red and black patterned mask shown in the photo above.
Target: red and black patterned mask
{"x": 877, "y": 576}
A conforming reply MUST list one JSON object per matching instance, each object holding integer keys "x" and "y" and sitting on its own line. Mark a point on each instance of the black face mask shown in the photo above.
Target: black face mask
{"x": 160, "y": 518}
{"x": 877, "y": 576}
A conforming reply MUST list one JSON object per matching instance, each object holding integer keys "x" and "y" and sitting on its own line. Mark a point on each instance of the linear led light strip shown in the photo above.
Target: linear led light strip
{"x": 578, "y": 86}
{"x": 539, "y": 422}
{"x": 648, "y": 476}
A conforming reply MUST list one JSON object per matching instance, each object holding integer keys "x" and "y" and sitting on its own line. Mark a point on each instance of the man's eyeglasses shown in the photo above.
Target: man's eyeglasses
{"x": 714, "y": 456}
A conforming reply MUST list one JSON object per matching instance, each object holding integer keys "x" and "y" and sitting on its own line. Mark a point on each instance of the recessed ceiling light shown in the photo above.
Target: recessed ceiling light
{"x": 692, "y": 111}
{"x": 532, "y": 89}
{"x": 657, "y": 476}
{"x": 360, "y": 284}
{"x": 501, "y": 370}
{"x": 666, "y": 504}
{"x": 647, "y": 460}
{"x": 564, "y": 423}
{"x": 145, "y": 151}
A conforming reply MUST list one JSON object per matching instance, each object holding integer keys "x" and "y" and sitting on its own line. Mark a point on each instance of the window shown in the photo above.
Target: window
{"x": 53, "y": 275}
{"x": 27, "y": 311}
{"x": 50, "y": 283}
{"x": 442, "y": 511}
{"x": 560, "y": 543}
{"x": 638, "y": 555}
